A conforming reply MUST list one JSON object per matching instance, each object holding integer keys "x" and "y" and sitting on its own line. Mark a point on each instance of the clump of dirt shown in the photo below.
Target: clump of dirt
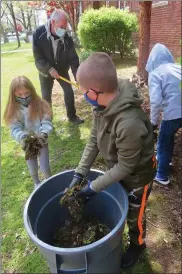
{"x": 80, "y": 230}
{"x": 74, "y": 204}
{"x": 33, "y": 145}
{"x": 76, "y": 234}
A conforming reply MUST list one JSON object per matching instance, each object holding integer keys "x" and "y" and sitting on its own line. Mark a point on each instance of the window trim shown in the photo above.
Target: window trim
{"x": 160, "y": 4}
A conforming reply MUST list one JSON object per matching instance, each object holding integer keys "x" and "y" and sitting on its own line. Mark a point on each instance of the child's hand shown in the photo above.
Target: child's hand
{"x": 44, "y": 137}
{"x": 23, "y": 142}
{"x": 154, "y": 127}
{"x": 86, "y": 193}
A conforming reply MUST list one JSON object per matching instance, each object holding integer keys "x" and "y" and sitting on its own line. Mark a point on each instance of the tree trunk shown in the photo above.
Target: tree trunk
{"x": 144, "y": 36}
{"x": 23, "y": 18}
{"x": 29, "y": 22}
{"x": 4, "y": 34}
{"x": 72, "y": 15}
{"x": 14, "y": 22}
{"x": 98, "y": 4}
{"x": 35, "y": 21}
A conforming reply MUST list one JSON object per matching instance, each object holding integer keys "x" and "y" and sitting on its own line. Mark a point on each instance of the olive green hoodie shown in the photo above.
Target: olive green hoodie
{"x": 122, "y": 133}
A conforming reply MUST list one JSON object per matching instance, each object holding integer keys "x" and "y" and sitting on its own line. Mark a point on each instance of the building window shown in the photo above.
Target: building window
{"x": 159, "y": 3}
{"x": 107, "y": 3}
{"x": 119, "y": 4}
{"x": 80, "y": 7}
{"x": 122, "y": 4}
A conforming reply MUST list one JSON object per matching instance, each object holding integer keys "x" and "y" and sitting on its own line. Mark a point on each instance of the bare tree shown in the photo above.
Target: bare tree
{"x": 7, "y": 9}
{"x": 144, "y": 35}
{"x": 24, "y": 14}
{"x": 2, "y": 30}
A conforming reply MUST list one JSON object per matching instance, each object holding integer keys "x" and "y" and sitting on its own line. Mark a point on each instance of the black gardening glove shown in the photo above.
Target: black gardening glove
{"x": 154, "y": 127}
{"x": 77, "y": 179}
{"x": 86, "y": 193}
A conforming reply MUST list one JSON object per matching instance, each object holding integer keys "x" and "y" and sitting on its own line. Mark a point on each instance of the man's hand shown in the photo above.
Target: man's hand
{"x": 154, "y": 132}
{"x": 54, "y": 73}
{"x": 23, "y": 142}
{"x": 77, "y": 180}
{"x": 86, "y": 192}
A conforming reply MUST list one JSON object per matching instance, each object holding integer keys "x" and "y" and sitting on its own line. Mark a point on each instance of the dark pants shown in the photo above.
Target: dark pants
{"x": 46, "y": 89}
{"x": 165, "y": 146}
{"x": 136, "y": 218}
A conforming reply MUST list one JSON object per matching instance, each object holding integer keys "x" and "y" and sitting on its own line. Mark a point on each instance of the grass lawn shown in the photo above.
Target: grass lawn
{"x": 14, "y": 46}
{"x": 18, "y": 253}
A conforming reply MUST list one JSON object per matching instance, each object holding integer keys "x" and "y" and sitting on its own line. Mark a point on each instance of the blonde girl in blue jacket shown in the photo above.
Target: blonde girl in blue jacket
{"x": 26, "y": 112}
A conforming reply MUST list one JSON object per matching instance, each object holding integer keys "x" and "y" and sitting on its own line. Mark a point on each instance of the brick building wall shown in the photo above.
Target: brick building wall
{"x": 166, "y": 26}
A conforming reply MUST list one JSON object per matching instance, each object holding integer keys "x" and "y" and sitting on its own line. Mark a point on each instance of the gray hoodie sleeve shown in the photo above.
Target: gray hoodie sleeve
{"x": 17, "y": 131}
{"x": 129, "y": 143}
{"x": 46, "y": 125}
{"x": 155, "y": 93}
{"x": 90, "y": 152}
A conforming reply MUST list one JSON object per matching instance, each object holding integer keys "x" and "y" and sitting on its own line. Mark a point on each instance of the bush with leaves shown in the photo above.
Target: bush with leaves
{"x": 84, "y": 54}
{"x": 107, "y": 30}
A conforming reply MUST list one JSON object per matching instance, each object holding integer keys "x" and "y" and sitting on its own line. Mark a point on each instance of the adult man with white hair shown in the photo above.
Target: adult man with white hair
{"x": 54, "y": 54}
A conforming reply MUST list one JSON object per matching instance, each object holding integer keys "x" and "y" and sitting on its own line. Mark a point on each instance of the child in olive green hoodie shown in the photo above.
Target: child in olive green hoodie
{"x": 122, "y": 134}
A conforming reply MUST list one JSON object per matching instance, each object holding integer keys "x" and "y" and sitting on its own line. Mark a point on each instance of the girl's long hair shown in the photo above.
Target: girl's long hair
{"x": 37, "y": 108}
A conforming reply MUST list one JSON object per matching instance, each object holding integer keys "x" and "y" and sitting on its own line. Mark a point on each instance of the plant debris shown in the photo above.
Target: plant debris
{"x": 76, "y": 234}
{"x": 80, "y": 230}
{"x": 33, "y": 145}
{"x": 74, "y": 205}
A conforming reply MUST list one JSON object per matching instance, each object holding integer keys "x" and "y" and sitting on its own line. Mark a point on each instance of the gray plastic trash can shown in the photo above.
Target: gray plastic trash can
{"x": 43, "y": 215}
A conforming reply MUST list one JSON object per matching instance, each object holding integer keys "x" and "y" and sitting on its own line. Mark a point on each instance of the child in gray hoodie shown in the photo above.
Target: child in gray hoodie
{"x": 26, "y": 112}
{"x": 165, "y": 96}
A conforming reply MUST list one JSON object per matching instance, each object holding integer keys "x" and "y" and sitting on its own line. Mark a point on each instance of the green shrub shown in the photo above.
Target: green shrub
{"x": 179, "y": 61}
{"x": 84, "y": 54}
{"x": 107, "y": 30}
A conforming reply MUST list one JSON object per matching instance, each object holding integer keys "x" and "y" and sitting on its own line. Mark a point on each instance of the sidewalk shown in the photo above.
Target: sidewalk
{"x": 12, "y": 51}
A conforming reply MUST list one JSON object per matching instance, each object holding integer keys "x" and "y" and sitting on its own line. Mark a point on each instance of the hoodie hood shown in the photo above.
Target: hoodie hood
{"x": 159, "y": 55}
{"x": 128, "y": 97}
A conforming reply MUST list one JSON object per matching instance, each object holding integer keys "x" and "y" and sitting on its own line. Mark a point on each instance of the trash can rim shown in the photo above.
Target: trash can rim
{"x": 81, "y": 249}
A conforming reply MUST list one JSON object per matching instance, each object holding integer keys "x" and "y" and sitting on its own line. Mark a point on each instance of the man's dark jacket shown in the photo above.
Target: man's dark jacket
{"x": 66, "y": 56}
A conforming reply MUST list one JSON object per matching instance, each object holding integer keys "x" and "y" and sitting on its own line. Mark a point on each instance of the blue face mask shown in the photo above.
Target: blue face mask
{"x": 60, "y": 32}
{"x": 92, "y": 102}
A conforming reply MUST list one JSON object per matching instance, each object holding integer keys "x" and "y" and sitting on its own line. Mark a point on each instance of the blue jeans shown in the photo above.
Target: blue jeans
{"x": 165, "y": 146}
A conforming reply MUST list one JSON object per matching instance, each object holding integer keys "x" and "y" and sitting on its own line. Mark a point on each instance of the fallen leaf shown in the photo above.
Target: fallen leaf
{"x": 4, "y": 236}
{"x": 17, "y": 236}
{"x": 175, "y": 212}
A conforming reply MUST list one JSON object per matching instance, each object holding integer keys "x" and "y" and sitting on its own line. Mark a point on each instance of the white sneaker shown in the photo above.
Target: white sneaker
{"x": 160, "y": 181}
